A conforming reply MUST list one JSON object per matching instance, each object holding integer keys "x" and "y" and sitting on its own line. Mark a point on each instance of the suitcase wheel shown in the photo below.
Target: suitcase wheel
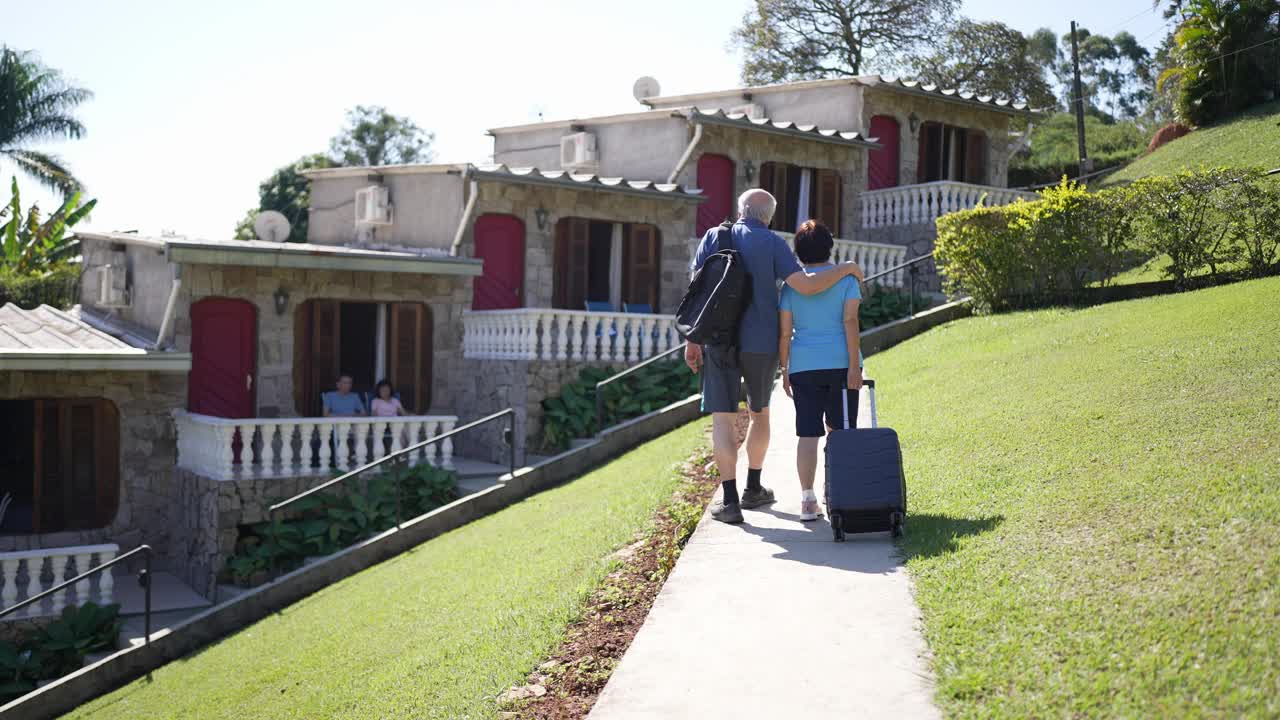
{"x": 837, "y": 530}
{"x": 896, "y": 521}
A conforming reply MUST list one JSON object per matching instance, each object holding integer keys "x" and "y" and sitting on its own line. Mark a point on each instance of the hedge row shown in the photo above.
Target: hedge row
{"x": 1211, "y": 221}
{"x": 58, "y": 287}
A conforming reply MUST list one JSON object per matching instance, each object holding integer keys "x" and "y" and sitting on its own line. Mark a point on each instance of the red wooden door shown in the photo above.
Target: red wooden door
{"x": 224, "y": 339}
{"x": 500, "y": 243}
{"x": 882, "y": 164}
{"x": 715, "y": 178}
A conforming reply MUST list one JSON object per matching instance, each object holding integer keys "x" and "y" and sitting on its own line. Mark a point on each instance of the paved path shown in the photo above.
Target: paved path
{"x": 771, "y": 619}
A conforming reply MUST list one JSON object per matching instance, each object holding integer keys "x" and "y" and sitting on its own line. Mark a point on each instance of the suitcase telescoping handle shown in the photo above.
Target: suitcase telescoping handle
{"x": 870, "y": 385}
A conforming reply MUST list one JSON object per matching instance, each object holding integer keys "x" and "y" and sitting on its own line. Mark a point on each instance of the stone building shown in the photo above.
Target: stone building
{"x": 473, "y": 288}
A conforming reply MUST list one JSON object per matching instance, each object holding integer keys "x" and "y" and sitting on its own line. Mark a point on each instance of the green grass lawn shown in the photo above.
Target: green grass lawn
{"x": 437, "y": 632}
{"x": 1252, "y": 138}
{"x": 1095, "y": 506}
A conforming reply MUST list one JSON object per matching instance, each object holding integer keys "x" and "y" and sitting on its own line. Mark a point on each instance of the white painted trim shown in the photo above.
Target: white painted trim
{"x": 615, "y": 267}
{"x": 380, "y": 352}
{"x": 95, "y": 360}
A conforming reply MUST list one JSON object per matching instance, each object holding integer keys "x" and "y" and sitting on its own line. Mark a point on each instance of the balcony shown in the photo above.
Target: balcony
{"x": 27, "y": 573}
{"x": 234, "y": 449}
{"x": 575, "y": 335}
{"x": 926, "y": 202}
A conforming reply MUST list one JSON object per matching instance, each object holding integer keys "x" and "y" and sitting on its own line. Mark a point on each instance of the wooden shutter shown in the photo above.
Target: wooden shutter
{"x": 326, "y": 334}
{"x": 976, "y": 158}
{"x": 775, "y": 178}
{"x": 930, "y": 161}
{"x": 826, "y": 200}
{"x": 569, "y": 284}
{"x": 77, "y": 456}
{"x": 409, "y": 354}
{"x": 640, "y": 266}
{"x": 303, "y": 403}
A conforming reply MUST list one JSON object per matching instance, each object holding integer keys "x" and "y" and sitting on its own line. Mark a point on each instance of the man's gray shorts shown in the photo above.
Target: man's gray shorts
{"x": 723, "y": 377}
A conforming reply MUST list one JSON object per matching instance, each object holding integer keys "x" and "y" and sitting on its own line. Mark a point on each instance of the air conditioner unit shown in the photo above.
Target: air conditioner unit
{"x": 578, "y": 152}
{"x": 113, "y": 286}
{"x": 373, "y": 205}
{"x": 751, "y": 110}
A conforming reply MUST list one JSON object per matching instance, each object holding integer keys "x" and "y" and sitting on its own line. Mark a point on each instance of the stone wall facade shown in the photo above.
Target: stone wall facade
{"x": 750, "y": 149}
{"x": 446, "y": 295}
{"x": 148, "y": 454}
{"x": 673, "y": 218}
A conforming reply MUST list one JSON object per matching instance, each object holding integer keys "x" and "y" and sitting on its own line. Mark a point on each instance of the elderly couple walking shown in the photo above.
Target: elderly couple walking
{"x": 810, "y": 333}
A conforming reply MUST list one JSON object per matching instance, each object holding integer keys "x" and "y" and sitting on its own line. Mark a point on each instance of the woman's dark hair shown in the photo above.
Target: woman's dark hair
{"x": 377, "y": 389}
{"x": 814, "y": 242}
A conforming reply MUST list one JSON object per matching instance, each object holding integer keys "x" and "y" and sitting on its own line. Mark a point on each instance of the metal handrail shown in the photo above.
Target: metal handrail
{"x": 913, "y": 271}
{"x": 400, "y": 457}
{"x": 144, "y": 579}
{"x": 896, "y": 268}
{"x": 600, "y": 385}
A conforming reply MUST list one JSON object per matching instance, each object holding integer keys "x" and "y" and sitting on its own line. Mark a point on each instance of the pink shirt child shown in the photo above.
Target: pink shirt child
{"x": 384, "y": 408}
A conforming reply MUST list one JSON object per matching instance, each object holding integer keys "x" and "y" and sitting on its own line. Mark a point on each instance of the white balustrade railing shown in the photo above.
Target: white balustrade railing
{"x": 926, "y": 202}
{"x": 27, "y": 573}
{"x": 581, "y": 335}
{"x": 872, "y": 257}
{"x": 230, "y": 449}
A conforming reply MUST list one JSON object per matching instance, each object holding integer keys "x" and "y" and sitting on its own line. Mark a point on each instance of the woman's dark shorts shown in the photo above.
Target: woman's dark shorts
{"x": 819, "y": 393}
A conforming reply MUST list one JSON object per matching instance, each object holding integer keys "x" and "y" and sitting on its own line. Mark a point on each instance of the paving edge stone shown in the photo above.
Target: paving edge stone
{"x": 219, "y": 621}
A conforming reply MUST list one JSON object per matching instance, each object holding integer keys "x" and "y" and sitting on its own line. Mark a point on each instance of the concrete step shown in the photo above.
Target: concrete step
{"x": 167, "y": 593}
{"x": 134, "y": 630}
{"x": 466, "y": 468}
{"x": 476, "y": 484}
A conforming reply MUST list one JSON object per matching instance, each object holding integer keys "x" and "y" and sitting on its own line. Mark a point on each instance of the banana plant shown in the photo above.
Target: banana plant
{"x": 31, "y": 245}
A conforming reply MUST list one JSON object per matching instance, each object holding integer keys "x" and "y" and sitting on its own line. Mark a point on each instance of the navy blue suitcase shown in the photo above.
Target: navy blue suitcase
{"x": 866, "y": 490}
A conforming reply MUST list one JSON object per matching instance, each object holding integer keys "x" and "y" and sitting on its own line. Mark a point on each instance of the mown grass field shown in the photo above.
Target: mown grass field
{"x": 437, "y": 632}
{"x": 1095, "y": 506}
{"x": 1252, "y": 138}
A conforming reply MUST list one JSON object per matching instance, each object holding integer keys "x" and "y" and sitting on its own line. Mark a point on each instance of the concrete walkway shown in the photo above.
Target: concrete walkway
{"x": 771, "y": 619}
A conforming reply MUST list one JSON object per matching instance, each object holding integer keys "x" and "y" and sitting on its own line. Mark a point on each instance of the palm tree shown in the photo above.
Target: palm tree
{"x": 36, "y": 104}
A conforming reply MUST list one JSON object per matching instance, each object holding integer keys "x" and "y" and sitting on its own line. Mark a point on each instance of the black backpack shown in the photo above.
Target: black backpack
{"x": 717, "y": 297}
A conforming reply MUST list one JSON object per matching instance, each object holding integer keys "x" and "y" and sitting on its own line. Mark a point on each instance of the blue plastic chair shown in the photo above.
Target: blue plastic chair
{"x": 640, "y": 308}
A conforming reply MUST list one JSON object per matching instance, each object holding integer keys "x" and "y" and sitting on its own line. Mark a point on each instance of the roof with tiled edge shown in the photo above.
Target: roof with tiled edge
{"x": 917, "y": 87}
{"x": 587, "y": 181}
{"x": 46, "y": 329}
{"x": 807, "y": 132}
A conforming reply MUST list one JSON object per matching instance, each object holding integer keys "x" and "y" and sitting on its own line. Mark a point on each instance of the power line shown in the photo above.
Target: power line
{"x": 1150, "y": 9}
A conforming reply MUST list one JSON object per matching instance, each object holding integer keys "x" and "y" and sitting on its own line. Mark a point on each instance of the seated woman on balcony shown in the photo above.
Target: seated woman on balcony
{"x": 817, "y": 341}
{"x": 385, "y": 403}
{"x": 342, "y": 402}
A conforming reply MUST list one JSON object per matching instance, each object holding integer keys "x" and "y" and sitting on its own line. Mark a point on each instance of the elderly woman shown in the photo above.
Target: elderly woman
{"x": 818, "y": 339}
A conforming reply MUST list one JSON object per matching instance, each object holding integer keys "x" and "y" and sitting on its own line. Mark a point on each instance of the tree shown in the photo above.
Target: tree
{"x": 1115, "y": 73}
{"x": 1224, "y": 56}
{"x": 36, "y": 104}
{"x": 288, "y": 192}
{"x": 989, "y": 58}
{"x": 785, "y": 40}
{"x": 30, "y": 245}
{"x": 374, "y": 136}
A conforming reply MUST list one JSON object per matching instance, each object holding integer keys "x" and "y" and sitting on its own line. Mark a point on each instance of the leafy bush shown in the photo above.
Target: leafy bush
{"x": 57, "y": 648}
{"x": 881, "y": 305}
{"x": 572, "y": 413}
{"x": 57, "y": 287}
{"x": 1052, "y": 248}
{"x": 329, "y": 522}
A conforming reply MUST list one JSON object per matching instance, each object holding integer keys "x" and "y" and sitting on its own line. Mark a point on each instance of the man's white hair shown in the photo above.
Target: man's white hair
{"x": 758, "y": 204}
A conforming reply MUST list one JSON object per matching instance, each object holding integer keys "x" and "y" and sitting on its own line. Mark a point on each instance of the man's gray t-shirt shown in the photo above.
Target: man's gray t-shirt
{"x": 769, "y": 261}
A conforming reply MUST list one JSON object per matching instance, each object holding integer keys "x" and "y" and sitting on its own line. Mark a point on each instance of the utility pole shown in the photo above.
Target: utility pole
{"x": 1078, "y": 100}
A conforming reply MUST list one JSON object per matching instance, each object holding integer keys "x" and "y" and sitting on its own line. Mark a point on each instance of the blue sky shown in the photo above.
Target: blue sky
{"x": 197, "y": 102}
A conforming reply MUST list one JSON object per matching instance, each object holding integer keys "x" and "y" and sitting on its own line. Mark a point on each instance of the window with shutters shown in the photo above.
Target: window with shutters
{"x": 803, "y": 194}
{"x": 61, "y": 461}
{"x": 370, "y": 341}
{"x": 602, "y": 264}
{"x": 948, "y": 152}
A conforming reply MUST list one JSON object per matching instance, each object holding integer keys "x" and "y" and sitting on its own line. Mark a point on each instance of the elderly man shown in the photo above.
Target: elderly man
{"x": 768, "y": 261}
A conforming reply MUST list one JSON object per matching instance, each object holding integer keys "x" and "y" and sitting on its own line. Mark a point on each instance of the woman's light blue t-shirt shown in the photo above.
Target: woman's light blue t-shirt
{"x": 817, "y": 337}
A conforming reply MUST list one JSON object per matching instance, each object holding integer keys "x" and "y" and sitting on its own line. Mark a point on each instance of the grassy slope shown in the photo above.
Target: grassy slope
{"x": 1253, "y": 138}
{"x": 435, "y": 633}
{"x": 1095, "y": 506}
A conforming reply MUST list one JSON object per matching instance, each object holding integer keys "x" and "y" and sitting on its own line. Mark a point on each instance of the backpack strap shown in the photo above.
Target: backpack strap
{"x": 724, "y": 235}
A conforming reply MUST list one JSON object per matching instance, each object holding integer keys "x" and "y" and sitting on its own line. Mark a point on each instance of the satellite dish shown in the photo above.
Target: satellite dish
{"x": 645, "y": 88}
{"x": 272, "y": 226}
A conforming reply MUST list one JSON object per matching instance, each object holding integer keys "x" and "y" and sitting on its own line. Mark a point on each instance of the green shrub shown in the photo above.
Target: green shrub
{"x": 1188, "y": 216}
{"x": 1253, "y": 206}
{"x": 58, "y": 648}
{"x": 572, "y": 413}
{"x": 58, "y": 287}
{"x": 331, "y": 521}
{"x": 881, "y": 305}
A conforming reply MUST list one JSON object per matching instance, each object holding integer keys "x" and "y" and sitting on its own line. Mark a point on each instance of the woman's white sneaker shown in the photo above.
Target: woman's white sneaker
{"x": 809, "y": 510}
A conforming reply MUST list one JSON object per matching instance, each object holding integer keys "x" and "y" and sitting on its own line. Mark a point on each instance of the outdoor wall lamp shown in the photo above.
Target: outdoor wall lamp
{"x": 281, "y": 297}
{"x": 913, "y": 122}
{"x": 749, "y": 169}
{"x": 541, "y": 216}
